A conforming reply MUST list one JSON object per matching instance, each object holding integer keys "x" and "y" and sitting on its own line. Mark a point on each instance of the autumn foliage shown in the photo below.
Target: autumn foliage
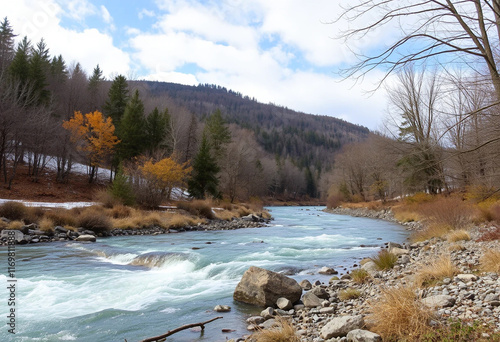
{"x": 93, "y": 135}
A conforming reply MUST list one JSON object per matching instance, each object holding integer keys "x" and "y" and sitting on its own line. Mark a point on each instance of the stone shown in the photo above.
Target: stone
{"x": 398, "y": 251}
{"x": 327, "y": 270}
{"x": 284, "y": 304}
{"x": 403, "y": 259}
{"x": 12, "y": 233}
{"x": 358, "y": 335}
{"x": 267, "y": 313}
{"x": 320, "y": 292}
{"x": 256, "y": 320}
{"x": 439, "y": 301}
{"x": 491, "y": 297}
{"x": 327, "y": 310}
{"x": 270, "y": 323}
{"x": 263, "y": 287}
{"x": 341, "y": 326}
{"x": 306, "y": 284}
{"x": 60, "y": 229}
{"x": 393, "y": 245}
{"x": 370, "y": 267}
{"x": 86, "y": 238}
{"x": 222, "y": 308}
{"x": 467, "y": 277}
{"x": 310, "y": 300}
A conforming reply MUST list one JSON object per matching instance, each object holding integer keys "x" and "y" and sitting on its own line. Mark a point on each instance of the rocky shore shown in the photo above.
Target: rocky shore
{"x": 30, "y": 234}
{"x": 324, "y": 313}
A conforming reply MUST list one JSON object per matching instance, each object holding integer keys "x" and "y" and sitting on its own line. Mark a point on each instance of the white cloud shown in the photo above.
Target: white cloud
{"x": 105, "y": 15}
{"x": 42, "y": 19}
{"x": 78, "y": 9}
{"x": 173, "y": 77}
{"x": 146, "y": 13}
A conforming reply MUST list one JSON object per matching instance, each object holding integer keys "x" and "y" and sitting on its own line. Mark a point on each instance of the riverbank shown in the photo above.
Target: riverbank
{"x": 443, "y": 288}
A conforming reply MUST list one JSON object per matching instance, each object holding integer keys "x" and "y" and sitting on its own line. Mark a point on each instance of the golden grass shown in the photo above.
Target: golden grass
{"x": 61, "y": 217}
{"x": 398, "y": 315}
{"x": 405, "y": 215}
{"x": 431, "y": 231}
{"x": 46, "y": 225}
{"x": 348, "y": 293}
{"x": 458, "y": 235}
{"x": 282, "y": 332}
{"x": 226, "y": 215}
{"x": 385, "y": 260}
{"x": 456, "y": 247}
{"x": 359, "y": 276}
{"x": 17, "y": 224}
{"x": 490, "y": 261}
{"x": 435, "y": 271}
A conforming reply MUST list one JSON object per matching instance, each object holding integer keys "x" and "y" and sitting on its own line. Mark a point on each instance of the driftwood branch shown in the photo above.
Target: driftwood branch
{"x": 176, "y": 330}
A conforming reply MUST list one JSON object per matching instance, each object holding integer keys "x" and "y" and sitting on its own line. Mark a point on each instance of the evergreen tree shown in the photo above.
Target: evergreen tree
{"x": 311, "y": 189}
{"x": 121, "y": 188}
{"x": 204, "y": 179}
{"x": 6, "y": 44}
{"x": 19, "y": 68}
{"x": 39, "y": 67}
{"x": 218, "y": 134}
{"x": 95, "y": 84}
{"x": 133, "y": 129}
{"x": 158, "y": 130}
{"x": 118, "y": 97}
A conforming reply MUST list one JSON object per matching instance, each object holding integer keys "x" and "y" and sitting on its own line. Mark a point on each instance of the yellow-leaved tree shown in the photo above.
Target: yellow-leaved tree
{"x": 165, "y": 175}
{"x": 94, "y": 136}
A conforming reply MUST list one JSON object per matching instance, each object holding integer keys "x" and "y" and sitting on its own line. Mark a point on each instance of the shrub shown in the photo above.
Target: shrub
{"x": 349, "y": 293}
{"x": 458, "y": 235}
{"x": 490, "y": 261}
{"x": 449, "y": 211}
{"x": 333, "y": 201}
{"x": 13, "y": 210}
{"x": 197, "y": 208}
{"x": 95, "y": 220}
{"x": 61, "y": 217}
{"x": 435, "y": 272}
{"x": 385, "y": 260}
{"x": 418, "y": 198}
{"x": 359, "y": 276}
{"x": 120, "y": 211}
{"x": 121, "y": 189}
{"x": 46, "y": 225}
{"x": 282, "y": 332}
{"x": 105, "y": 198}
{"x": 399, "y": 315}
{"x": 17, "y": 224}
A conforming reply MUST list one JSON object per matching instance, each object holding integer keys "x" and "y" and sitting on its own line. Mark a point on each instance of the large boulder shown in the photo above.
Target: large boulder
{"x": 12, "y": 234}
{"x": 263, "y": 287}
{"x": 340, "y": 326}
{"x": 310, "y": 300}
{"x": 439, "y": 301}
{"x": 86, "y": 238}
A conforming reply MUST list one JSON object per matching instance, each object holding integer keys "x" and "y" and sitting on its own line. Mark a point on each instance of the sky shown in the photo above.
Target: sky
{"x": 281, "y": 51}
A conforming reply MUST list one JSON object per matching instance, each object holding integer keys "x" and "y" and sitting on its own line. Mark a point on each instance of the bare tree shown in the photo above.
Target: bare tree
{"x": 443, "y": 31}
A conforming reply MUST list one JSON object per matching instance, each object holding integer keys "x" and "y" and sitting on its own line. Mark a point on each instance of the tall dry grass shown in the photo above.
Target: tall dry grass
{"x": 458, "y": 235}
{"x": 436, "y": 271}
{"x": 385, "y": 260}
{"x": 398, "y": 315}
{"x": 284, "y": 331}
{"x": 490, "y": 261}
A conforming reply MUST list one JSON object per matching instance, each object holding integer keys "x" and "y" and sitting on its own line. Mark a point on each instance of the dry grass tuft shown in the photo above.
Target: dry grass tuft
{"x": 435, "y": 272}
{"x": 121, "y": 211}
{"x": 17, "y": 224}
{"x": 349, "y": 293}
{"x": 282, "y": 332}
{"x": 94, "y": 219}
{"x": 385, "y": 260}
{"x": 456, "y": 247}
{"x": 458, "y": 235}
{"x": 431, "y": 231}
{"x": 226, "y": 215}
{"x": 399, "y": 315}
{"x": 61, "y": 217}
{"x": 359, "y": 276}
{"x": 198, "y": 208}
{"x": 13, "y": 210}
{"x": 46, "y": 225}
{"x": 104, "y": 197}
{"x": 490, "y": 261}
{"x": 405, "y": 214}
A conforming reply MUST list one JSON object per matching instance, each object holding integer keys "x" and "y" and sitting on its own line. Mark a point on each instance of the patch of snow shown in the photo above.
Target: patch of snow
{"x": 65, "y": 205}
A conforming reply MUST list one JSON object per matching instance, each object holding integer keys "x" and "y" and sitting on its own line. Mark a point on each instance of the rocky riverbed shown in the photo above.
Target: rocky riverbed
{"x": 31, "y": 233}
{"x": 323, "y": 315}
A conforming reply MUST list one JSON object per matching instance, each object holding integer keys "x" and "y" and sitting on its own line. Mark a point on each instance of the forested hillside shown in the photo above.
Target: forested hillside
{"x": 155, "y": 136}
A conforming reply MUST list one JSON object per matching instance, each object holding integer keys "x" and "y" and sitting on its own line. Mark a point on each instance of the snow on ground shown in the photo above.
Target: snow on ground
{"x": 65, "y": 205}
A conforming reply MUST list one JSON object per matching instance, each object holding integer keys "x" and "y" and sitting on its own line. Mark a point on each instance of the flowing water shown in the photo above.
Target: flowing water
{"x": 142, "y": 286}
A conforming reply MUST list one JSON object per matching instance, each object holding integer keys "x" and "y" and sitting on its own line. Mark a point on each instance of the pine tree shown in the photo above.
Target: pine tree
{"x": 19, "y": 68}
{"x": 95, "y": 84}
{"x": 118, "y": 97}
{"x": 158, "y": 130}
{"x": 133, "y": 129}
{"x": 218, "y": 134}
{"x": 39, "y": 68}
{"x": 6, "y": 44}
{"x": 204, "y": 179}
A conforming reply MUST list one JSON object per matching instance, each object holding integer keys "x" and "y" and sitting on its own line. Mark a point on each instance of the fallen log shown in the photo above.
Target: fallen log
{"x": 176, "y": 330}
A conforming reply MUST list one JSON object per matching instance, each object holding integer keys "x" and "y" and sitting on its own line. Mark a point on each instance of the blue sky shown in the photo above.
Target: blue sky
{"x": 279, "y": 51}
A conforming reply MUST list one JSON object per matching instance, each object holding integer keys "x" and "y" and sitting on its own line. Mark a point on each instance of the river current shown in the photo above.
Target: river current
{"x": 134, "y": 287}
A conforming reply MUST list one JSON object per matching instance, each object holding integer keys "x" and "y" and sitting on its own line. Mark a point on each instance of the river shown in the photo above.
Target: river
{"x": 141, "y": 286}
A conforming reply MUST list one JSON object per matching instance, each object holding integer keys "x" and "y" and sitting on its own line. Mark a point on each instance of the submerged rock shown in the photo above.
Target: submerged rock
{"x": 85, "y": 238}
